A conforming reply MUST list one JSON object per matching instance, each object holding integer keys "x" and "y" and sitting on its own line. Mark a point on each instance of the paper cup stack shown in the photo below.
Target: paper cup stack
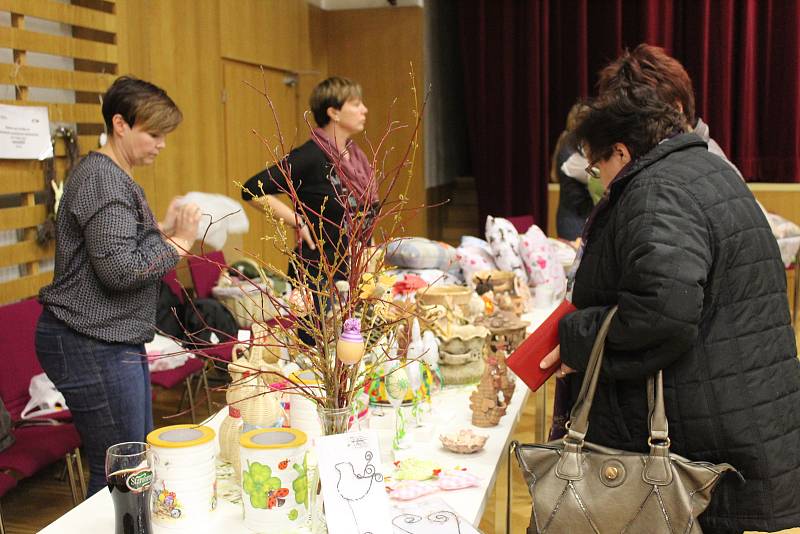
{"x": 274, "y": 480}
{"x": 185, "y": 482}
{"x": 303, "y": 411}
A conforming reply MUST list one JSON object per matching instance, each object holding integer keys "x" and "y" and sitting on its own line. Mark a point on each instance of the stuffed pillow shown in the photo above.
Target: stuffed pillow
{"x": 471, "y": 241}
{"x": 457, "y": 479}
{"x": 420, "y": 253}
{"x": 504, "y": 240}
{"x": 472, "y": 260}
{"x": 540, "y": 262}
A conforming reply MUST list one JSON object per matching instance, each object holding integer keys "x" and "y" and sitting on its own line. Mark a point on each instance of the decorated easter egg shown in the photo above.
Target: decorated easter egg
{"x": 397, "y": 384}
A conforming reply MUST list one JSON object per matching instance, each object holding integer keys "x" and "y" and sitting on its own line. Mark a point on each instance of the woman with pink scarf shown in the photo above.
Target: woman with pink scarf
{"x": 329, "y": 170}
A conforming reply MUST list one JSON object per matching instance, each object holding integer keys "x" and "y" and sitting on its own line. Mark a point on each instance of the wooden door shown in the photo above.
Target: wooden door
{"x": 246, "y": 110}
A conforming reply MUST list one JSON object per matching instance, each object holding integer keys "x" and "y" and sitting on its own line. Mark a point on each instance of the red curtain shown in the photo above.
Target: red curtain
{"x": 526, "y": 63}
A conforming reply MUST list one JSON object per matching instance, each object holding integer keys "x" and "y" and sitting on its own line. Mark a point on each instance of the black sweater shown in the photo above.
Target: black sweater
{"x": 315, "y": 181}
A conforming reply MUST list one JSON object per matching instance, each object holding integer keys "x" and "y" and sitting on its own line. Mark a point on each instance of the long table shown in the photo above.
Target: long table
{"x": 450, "y": 411}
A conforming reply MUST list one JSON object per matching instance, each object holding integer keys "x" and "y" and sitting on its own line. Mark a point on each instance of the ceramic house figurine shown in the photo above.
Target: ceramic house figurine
{"x": 485, "y": 403}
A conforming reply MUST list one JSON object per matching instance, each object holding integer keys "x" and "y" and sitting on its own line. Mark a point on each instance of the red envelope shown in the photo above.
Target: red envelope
{"x": 525, "y": 360}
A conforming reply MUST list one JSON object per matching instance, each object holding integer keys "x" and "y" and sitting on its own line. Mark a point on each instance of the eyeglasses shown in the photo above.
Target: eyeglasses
{"x": 593, "y": 171}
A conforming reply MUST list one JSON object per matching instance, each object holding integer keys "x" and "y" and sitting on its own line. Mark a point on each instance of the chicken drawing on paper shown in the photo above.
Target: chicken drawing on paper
{"x": 352, "y": 484}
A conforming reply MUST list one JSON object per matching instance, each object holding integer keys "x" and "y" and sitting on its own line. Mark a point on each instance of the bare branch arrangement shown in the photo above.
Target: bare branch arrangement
{"x": 346, "y": 282}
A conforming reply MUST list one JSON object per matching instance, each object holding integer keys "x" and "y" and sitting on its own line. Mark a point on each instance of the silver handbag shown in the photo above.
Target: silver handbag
{"x": 578, "y": 487}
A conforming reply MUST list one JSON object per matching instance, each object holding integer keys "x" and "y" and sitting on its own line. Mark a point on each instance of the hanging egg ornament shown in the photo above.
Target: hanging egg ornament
{"x": 350, "y": 347}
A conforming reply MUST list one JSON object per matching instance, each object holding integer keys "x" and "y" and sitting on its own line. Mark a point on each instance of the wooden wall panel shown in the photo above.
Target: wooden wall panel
{"x": 553, "y": 191}
{"x": 376, "y": 47}
{"x": 247, "y": 111}
{"x": 25, "y": 287}
{"x": 25, "y": 252}
{"x": 783, "y": 199}
{"x": 24, "y": 180}
{"x": 83, "y": 113}
{"x": 175, "y": 45}
{"x": 262, "y": 32}
{"x": 53, "y": 78}
{"x": 57, "y": 45}
{"x": 313, "y": 61}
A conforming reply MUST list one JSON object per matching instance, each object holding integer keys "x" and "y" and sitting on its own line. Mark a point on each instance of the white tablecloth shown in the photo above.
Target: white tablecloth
{"x": 450, "y": 411}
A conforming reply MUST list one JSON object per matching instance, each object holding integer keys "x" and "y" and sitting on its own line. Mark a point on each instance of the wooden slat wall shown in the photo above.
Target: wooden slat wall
{"x": 64, "y": 13}
{"x": 92, "y": 44}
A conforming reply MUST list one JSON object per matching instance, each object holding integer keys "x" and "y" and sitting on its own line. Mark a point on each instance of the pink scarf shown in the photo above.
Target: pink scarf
{"x": 357, "y": 174}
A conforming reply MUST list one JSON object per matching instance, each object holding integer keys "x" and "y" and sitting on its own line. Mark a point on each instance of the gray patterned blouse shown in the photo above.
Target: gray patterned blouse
{"x": 110, "y": 256}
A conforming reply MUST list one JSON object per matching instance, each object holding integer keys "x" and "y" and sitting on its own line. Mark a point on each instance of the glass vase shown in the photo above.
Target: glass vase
{"x": 335, "y": 420}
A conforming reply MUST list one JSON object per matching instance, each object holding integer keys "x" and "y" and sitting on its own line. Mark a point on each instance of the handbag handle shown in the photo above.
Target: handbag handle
{"x": 570, "y": 464}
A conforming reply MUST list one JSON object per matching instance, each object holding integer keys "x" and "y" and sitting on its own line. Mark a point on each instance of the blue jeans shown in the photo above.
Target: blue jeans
{"x": 106, "y": 386}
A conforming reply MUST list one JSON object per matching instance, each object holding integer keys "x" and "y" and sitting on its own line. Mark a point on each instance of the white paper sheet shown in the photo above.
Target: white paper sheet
{"x": 352, "y": 484}
{"x": 429, "y": 516}
{"x": 24, "y": 133}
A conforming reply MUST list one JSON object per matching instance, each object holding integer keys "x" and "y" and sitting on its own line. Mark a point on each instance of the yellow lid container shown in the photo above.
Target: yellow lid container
{"x": 180, "y": 436}
{"x": 273, "y": 438}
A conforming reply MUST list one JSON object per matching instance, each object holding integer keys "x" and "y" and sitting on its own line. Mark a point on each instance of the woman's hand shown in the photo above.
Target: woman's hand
{"x": 302, "y": 232}
{"x": 167, "y": 226}
{"x": 552, "y": 359}
{"x": 186, "y": 220}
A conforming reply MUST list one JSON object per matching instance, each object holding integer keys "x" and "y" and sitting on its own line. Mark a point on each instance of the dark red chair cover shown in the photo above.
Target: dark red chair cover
{"x": 172, "y": 377}
{"x": 18, "y": 361}
{"x": 205, "y": 272}
{"x": 36, "y": 447}
{"x": 171, "y": 279}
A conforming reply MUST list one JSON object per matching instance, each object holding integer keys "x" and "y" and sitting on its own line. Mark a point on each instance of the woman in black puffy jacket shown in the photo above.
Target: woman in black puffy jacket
{"x": 680, "y": 245}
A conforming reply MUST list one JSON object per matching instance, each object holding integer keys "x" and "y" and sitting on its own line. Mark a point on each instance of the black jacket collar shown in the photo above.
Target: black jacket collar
{"x": 659, "y": 152}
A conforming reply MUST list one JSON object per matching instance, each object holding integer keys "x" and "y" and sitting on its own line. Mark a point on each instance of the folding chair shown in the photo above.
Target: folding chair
{"x": 186, "y": 373}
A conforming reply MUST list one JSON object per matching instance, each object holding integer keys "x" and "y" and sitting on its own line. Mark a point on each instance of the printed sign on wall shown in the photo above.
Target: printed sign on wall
{"x": 24, "y": 133}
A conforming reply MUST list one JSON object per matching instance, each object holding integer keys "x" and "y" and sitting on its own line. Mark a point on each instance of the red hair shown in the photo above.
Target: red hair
{"x": 650, "y": 66}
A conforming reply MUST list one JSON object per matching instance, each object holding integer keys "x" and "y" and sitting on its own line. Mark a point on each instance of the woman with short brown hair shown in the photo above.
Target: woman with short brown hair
{"x": 111, "y": 253}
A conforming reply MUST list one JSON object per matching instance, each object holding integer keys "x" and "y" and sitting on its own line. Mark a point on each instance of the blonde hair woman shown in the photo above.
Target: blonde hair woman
{"x": 328, "y": 166}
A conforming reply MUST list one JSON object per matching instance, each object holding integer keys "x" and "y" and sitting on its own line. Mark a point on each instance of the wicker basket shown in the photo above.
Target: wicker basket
{"x": 449, "y": 296}
{"x": 247, "y": 302}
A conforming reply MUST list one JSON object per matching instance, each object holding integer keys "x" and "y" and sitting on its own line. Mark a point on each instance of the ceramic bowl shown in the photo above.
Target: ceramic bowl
{"x": 449, "y": 296}
{"x": 457, "y": 359}
{"x": 501, "y": 281}
{"x": 464, "y": 338}
{"x": 463, "y": 441}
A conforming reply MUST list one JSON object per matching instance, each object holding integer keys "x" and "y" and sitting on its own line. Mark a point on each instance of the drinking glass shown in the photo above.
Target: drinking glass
{"x": 129, "y": 474}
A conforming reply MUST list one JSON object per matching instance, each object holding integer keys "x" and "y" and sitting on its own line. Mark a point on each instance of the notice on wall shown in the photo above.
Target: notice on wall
{"x": 24, "y": 133}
